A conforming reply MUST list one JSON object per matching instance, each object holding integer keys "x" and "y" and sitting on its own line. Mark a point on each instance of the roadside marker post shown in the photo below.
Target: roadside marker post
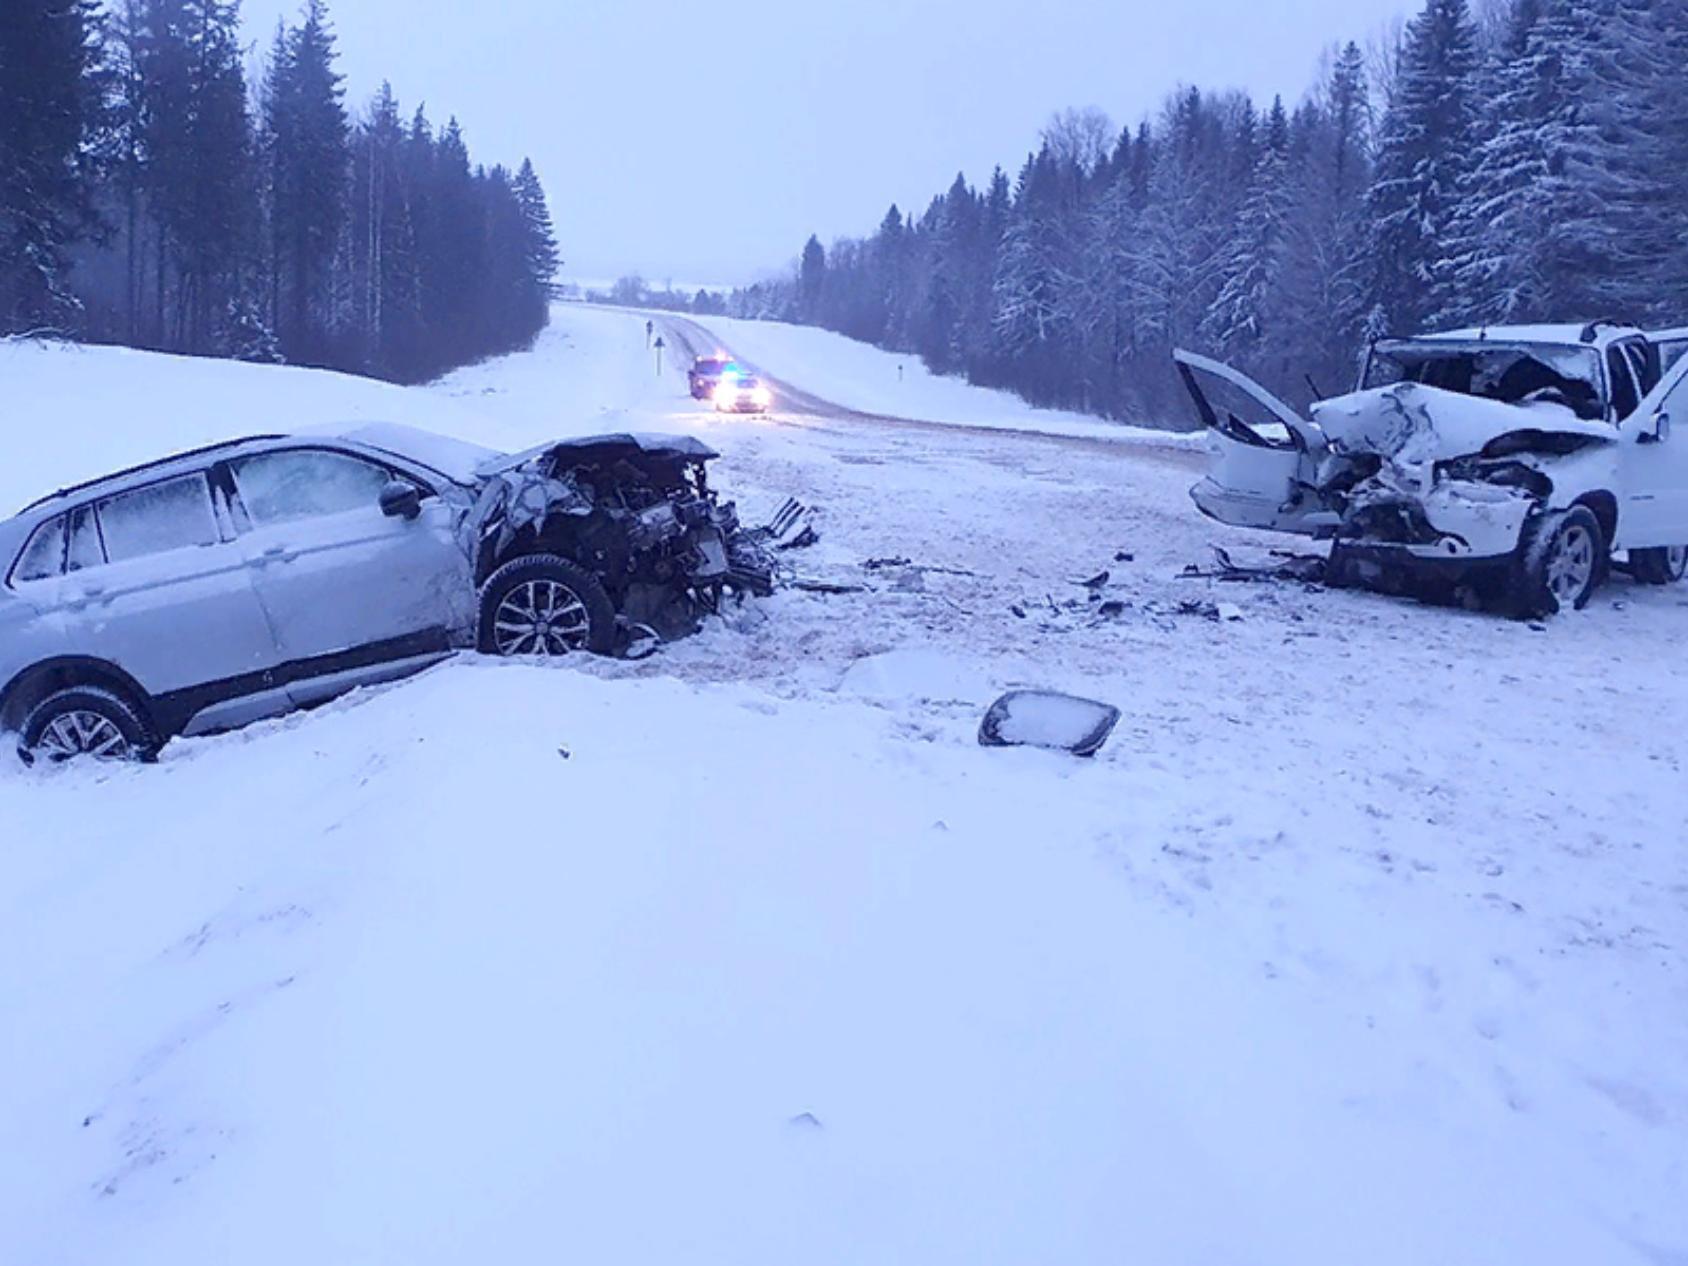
{"x": 659, "y": 346}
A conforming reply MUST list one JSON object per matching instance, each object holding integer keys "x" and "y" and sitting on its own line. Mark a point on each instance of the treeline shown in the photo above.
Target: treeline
{"x": 151, "y": 196}
{"x": 1526, "y": 162}
{"x": 632, "y": 291}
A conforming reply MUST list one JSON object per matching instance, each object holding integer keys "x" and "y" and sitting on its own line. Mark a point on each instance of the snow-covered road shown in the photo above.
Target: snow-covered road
{"x": 1366, "y": 939}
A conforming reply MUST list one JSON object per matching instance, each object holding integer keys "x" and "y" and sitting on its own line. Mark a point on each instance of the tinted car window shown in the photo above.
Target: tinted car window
{"x": 1645, "y": 364}
{"x": 1624, "y": 393}
{"x": 43, "y": 554}
{"x": 175, "y": 514}
{"x": 85, "y": 550}
{"x": 304, "y": 484}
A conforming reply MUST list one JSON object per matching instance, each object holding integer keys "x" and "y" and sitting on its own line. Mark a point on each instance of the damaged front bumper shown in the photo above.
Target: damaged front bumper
{"x": 1457, "y": 521}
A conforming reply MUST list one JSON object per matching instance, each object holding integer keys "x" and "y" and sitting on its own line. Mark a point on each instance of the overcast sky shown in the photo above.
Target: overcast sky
{"x": 703, "y": 142}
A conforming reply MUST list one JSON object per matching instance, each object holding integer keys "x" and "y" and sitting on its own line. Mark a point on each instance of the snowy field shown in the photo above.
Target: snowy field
{"x": 1364, "y": 940}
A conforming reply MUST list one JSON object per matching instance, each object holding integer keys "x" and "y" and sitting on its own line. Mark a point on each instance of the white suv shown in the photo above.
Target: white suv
{"x": 236, "y": 582}
{"x": 1514, "y": 460}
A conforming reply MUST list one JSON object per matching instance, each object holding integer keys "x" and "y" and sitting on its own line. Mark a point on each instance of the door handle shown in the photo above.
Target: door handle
{"x": 87, "y": 596}
{"x": 276, "y": 554}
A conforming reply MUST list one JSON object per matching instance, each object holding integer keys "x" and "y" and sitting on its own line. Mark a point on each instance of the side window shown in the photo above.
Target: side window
{"x": 84, "y": 550}
{"x": 1624, "y": 394}
{"x": 306, "y": 484}
{"x": 175, "y": 514}
{"x": 1644, "y": 360}
{"x": 43, "y": 554}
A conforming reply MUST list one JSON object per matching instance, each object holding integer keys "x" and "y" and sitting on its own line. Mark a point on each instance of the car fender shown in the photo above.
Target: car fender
{"x": 16, "y": 695}
{"x": 1575, "y": 475}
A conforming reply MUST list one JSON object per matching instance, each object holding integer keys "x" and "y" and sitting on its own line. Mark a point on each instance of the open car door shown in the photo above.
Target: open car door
{"x": 1265, "y": 455}
{"x": 1671, "y": 345}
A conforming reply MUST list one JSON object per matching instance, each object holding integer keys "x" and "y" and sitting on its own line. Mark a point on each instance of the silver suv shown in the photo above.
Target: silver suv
{"x": 220, "y": 586}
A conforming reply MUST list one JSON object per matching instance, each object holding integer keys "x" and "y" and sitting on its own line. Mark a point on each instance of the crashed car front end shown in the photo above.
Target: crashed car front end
{"x": 638, "y": 513}
{"x": 1408, "y": 475}
{"x": 1427, "y": 475}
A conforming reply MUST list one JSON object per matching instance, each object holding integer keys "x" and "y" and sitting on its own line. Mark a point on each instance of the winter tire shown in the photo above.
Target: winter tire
{"x": 1560, "y": 564}
{"x": 85, "y": 721}
{"x": 1663, "y": 566}
{"x": 545, "y": 606}
{"x": 1340, "y": 570}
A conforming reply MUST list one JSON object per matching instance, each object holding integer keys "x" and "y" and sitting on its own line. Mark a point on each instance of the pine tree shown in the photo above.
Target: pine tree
{"x": 811, "y": 278}
{"x": 1320, "y": 304}
{"x": 195, "y": 138}
{"x": 50, "y": 111}
{"x": 126, "y": 116}
{"x": 1661, "y": 93}
{"x": 308, "y": 158}
{"x": 1423, "y": 154}
{"x": 1250, "y": 271}
{"x": 542, "y": 256}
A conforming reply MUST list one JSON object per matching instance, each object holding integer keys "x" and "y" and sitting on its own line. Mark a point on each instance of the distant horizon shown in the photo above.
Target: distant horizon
{"x": 669, "y": 150}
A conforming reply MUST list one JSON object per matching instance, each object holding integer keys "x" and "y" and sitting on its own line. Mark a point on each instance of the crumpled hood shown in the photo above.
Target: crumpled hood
{"x": 1411, "y": 424}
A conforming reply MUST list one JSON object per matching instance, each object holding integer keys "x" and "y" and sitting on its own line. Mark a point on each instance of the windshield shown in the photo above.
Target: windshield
{"x": 1513, "y": 374}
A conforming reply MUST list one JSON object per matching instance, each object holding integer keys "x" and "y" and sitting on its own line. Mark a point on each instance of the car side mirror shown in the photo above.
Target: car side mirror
{"x": 401, "y": 499}
{"x": 1660, "y": 432}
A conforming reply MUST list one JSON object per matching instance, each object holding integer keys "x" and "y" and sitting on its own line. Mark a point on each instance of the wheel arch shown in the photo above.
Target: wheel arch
{"x": 558, "y": 535}
{"x": 38, "y": 681}
{"x": 1605, "y": 508}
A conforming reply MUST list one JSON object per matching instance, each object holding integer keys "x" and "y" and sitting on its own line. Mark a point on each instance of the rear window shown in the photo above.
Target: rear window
{"x": 43, "y": 554}
{"x": 172, "y": 515}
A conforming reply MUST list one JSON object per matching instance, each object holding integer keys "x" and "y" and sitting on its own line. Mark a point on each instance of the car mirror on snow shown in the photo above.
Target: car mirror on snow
{"x": 1043, "y": 718}
{"x": 401, "y": 499}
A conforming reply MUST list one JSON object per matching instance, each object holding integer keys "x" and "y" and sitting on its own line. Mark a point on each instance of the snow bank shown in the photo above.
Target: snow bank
{"x": 75, "y": 413}
{"x": 539, "y": 965}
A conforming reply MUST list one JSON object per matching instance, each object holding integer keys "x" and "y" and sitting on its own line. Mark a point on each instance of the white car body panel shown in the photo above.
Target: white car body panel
{"x": 1653, "y": 466}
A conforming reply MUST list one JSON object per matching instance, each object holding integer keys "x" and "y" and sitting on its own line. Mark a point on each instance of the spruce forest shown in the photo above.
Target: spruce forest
{"x": 1522, "y": 160}
{"x": 154, "y": 193}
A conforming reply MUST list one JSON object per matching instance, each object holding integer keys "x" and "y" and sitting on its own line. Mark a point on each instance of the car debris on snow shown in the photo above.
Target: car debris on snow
{"x": 1216, "y": 612}
{"x": 1308, "y": 569}
{"x": 1048, "y": 719}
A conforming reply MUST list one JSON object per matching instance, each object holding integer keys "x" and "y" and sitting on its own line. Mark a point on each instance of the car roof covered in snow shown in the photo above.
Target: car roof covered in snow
{"x": 1595, "y": 334}
{"x": 150, "y": 472}
{"x": 458, "y": 460}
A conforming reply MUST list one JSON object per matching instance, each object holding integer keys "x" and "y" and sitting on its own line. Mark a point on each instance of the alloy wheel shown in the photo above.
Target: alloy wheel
{"x": 82, "y": 733}
{"x": 543, "y": 618}
{"x": 1571, "y": 563}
